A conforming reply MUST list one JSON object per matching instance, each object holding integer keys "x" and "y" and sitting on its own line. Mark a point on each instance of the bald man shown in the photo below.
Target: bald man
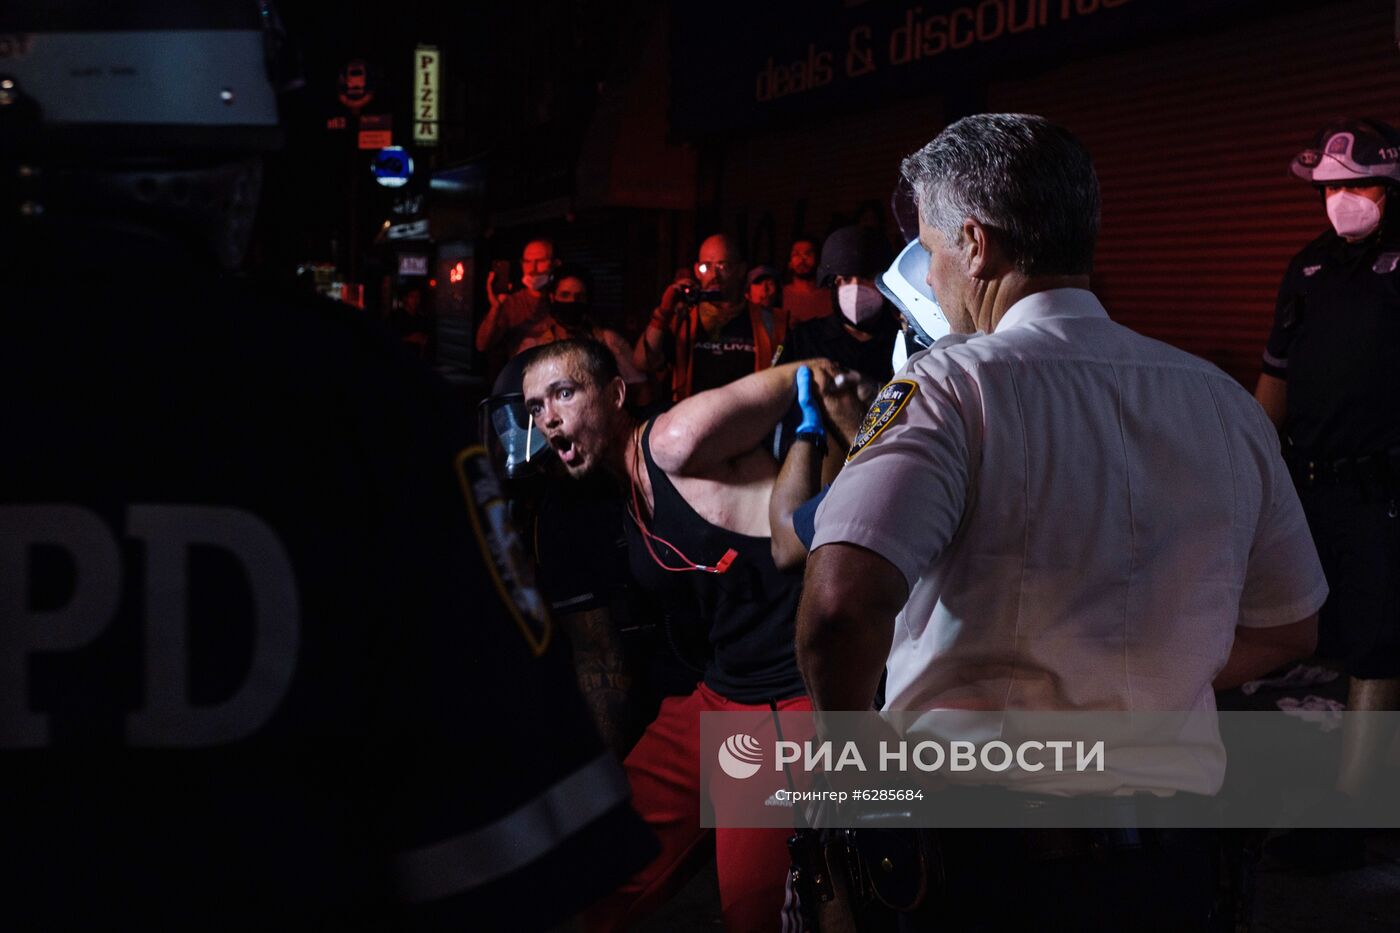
{"x": 707, "y": 334}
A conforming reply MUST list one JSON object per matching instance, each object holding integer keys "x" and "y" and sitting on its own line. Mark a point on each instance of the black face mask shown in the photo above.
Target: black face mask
{"x": 570, "y": 313}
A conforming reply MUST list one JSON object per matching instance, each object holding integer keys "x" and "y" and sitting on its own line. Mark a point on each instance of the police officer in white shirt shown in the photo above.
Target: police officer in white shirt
{"x": 1047, "y": 511}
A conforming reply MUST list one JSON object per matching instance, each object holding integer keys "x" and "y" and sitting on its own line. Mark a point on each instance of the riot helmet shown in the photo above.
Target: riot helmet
{"x": 517, "y": 449}
{"x": 154, "y": 113}
{"x": 905, "y": 283}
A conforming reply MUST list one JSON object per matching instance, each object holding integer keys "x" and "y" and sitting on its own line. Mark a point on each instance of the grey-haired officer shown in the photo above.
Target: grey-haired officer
{"x": 1331, "y": 384}
{"x": 1047, "y": 511}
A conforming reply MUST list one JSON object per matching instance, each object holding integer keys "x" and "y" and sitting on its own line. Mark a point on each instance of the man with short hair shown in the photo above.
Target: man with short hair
{"x": 521, "y": 318}
{"x": 708, "y": 335}
{"x": 697, "y": 479}
{"x": 804, "y": 298}
{"x": 1048, "y": 511}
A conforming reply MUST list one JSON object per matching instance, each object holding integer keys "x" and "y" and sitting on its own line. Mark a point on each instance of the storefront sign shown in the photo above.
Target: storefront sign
{"x": 426, "y": 94}
{"x": 799, "y": 58}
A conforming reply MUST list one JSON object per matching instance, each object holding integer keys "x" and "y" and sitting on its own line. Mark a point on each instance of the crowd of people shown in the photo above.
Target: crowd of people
{"x": 1037, "y": 425}
{"x": 282, "y": 645}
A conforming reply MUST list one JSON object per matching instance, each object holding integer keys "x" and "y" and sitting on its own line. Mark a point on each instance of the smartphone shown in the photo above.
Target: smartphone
{"x": 500, "y": 280}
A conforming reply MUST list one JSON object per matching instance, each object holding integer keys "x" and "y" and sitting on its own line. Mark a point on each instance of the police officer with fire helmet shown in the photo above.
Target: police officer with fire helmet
{"x": 1331, "y": 385}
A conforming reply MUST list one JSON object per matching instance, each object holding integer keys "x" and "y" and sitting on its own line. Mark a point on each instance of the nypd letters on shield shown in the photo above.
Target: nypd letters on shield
{"x": 889, "y": 403}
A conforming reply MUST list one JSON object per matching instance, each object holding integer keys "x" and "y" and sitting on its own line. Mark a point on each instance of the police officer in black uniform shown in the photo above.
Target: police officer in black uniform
{"x": 269, "y": 654}
{"x": 1331, "y": 384}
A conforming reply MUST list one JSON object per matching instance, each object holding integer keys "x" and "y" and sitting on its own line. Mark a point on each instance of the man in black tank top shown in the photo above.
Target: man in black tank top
{"x": 697, "y": 480}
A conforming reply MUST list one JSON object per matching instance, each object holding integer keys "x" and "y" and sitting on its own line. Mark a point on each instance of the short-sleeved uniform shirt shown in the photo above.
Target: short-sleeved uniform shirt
{"x": 264, "y": 655}
{"x": 1335, "y": 338}
{"x": 1083, "y": 516}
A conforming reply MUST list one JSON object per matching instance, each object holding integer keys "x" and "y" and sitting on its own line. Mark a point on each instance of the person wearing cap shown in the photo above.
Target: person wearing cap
{"x": 1331, "y": 385}
{"x": 762, "y": 295}
{"x": 1048, "y": 511}
{"x": 709, "y": 334}
{"x": 860, "y": 335}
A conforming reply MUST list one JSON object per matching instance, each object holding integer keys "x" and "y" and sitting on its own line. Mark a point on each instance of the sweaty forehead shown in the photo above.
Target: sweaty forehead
{"x": 541, "y": 374}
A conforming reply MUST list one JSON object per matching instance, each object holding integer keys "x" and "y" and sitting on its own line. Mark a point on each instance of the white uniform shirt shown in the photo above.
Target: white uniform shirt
{"x": 1083, "y": 516}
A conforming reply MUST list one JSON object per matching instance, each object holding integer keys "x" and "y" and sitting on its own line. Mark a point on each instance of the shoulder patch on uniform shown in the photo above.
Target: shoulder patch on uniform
{"x": 501, "y": 548}
{"x": 1310, "y": 271}
{"x": 888, "y": 403}
{"x": 1385, "y": 263}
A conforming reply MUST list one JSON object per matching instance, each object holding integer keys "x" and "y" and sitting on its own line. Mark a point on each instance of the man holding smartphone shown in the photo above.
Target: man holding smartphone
{"x": 521, "y": 318}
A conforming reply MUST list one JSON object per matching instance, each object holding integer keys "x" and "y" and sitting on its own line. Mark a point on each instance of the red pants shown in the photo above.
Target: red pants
{"x": 664, "y": 771}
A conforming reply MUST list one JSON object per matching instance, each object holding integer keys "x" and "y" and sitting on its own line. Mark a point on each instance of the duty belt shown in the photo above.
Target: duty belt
{"x": 1378, "y": 470}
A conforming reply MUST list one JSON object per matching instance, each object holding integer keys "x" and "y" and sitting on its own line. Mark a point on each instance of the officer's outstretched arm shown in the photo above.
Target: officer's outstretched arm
{"x": 712, "y": 427}
{"x": 798, "y": 480}
{"x": 845, "y": 624}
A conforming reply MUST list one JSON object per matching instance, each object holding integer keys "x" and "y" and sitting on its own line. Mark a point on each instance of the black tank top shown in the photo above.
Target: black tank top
{"x": 749, "y": 609}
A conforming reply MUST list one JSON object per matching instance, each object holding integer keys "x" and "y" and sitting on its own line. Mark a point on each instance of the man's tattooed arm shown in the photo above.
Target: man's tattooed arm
{"x": 602, "y": 675}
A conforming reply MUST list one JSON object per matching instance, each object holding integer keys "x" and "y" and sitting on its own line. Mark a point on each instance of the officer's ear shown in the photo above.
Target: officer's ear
{"x": 980, "y": 251}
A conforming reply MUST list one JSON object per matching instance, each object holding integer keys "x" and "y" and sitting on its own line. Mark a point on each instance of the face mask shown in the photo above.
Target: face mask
{"x": 569, "y": 313}
{"x": 536, "y": 283}
{"x": 1352, "y": 215}
{"x": 859, "y": 303}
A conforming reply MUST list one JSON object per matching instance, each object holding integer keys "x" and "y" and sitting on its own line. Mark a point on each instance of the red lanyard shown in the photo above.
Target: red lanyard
{"x": 635, "y": 510}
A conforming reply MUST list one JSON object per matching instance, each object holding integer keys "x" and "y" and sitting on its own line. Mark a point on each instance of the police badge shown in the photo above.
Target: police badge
{"x": 888, "y": 403}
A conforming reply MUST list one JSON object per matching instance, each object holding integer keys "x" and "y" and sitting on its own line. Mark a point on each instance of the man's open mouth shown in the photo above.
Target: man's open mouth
{"x": 564, "y": 447}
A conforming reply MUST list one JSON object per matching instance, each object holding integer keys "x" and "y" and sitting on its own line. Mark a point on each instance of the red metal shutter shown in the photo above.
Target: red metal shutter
{"x": 820, "y": 174}
{"x": 1192, "y": 139}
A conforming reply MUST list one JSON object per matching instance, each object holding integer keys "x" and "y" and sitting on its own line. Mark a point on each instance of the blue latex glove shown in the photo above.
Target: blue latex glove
{"x": 811, "y": 425}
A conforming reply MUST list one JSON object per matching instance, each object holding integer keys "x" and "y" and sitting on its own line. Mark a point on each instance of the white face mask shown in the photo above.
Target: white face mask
{"x": 1352, "y": 215}
{"x": 859, "y": 303}
{"x": 536, "y": 283}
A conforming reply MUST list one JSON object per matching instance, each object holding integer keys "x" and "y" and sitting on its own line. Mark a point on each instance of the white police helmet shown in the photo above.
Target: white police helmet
{"x": 905, "y": 283}
{"x": 1352, "y": 151}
